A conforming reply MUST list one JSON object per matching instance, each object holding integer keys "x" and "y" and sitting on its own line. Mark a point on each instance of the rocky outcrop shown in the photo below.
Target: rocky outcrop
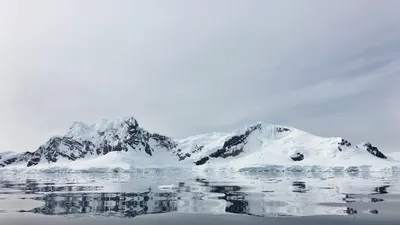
{"x": 374, "y": 150}
{"x": 235, "y": 145}
{"x": 202, "y": 161}
{"x": 297, "y": 157}
{"x": 60, "y": 147}
{"x": 282, "y": 129}
{"x": 344, "y": 142}
{"x": 24, "y": 157}
{"x": 197, "y": 149}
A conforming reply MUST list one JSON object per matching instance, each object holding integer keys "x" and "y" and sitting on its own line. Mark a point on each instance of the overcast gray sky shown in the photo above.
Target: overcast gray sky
{"x": 187, "y": 67}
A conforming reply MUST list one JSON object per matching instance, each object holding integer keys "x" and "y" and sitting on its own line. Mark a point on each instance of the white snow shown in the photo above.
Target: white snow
{"x": 270, "y": 149}
{"x": 394, "y": 155}
{"x": 111, "y": 162}
{"x": 266, "y": 149}
{"x": 6, "y": 153}
{"x": 81, "y": 131}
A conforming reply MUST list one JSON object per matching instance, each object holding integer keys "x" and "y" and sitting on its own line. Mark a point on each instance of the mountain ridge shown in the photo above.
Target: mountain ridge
{"x": 256, "y": 144}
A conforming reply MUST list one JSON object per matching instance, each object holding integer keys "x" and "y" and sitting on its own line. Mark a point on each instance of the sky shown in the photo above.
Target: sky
{"x": 187, "y": 67}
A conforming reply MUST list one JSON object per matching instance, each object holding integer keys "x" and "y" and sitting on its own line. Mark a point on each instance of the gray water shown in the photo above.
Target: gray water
{"x": 179, "y": 197}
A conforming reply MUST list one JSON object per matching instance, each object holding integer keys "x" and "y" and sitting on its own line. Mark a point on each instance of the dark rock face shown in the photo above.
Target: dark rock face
{"x": 344, "y": 142}
{"x": 163, "y": 141}
{"x": 282, "y": 129}
{"x": 17, "y": 159}
{"x": 182, "y": 156}
{"x": 11, "y": 160}
{"x": 297, "y": 157}
{"x": 112, "y": 139}
{"x": 374, "y": 151}
{"x": 202, "y": 161}
{"x": 57, "y": 147}
{"x": 197, "y": 149}
{"x": 234, "y": 146}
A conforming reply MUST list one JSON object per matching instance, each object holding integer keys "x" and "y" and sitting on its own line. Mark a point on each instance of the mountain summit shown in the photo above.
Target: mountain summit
{"x": 124, "y": 144}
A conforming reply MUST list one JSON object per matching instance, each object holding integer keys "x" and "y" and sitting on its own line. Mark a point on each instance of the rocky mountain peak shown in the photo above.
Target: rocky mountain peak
{"x": 99, "y": 138}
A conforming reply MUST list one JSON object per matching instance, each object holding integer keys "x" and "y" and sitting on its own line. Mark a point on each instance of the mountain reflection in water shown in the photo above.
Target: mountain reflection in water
{"x": 253, "y": 195}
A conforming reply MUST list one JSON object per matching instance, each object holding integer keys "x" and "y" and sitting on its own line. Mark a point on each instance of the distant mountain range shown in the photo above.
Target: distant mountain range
{"x": 122, "y": 143}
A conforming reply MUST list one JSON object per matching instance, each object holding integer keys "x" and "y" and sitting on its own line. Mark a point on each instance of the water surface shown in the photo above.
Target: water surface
{"x": 146, "y": 196}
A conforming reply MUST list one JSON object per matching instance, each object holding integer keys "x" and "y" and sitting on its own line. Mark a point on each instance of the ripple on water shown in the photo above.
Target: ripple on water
{"x": 128, "y": 195}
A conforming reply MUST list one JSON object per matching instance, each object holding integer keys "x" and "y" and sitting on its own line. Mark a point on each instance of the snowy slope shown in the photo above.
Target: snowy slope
{"x": 274, "y": 147}
{"x": 395, "y": 155}
{"x": 122, "y": 144}
{"x": 6, "y": 153}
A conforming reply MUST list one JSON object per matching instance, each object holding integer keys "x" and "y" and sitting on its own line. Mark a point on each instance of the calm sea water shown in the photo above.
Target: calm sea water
{"x": 179, "y": 197}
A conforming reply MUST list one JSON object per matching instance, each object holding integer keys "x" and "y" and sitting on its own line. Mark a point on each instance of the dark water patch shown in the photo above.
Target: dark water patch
{"x": 377, "y": 199}
{"x": 351, "y": 211}
{"x": 326, "y": 188}
{"x": 373, "y": 211}
{"x": 224, "y": 189}
{"x": 202, "y": 181}
{"x": 382, "y": 189}
{"x": 299, "y": 187}
{"x": 348, "y": 198}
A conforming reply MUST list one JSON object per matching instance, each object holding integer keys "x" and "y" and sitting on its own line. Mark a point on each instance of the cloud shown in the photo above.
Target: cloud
{"x": 184, "y": 68}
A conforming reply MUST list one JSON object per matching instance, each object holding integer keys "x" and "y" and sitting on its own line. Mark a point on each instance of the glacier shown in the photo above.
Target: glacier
{"x": 121, "y": 145}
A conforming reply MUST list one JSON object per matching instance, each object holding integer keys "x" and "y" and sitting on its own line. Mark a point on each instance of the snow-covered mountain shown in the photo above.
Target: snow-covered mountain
{"x": 5, "y": 153}
{"x": 83, "y": 141}
{"x": 124, "y": 144}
